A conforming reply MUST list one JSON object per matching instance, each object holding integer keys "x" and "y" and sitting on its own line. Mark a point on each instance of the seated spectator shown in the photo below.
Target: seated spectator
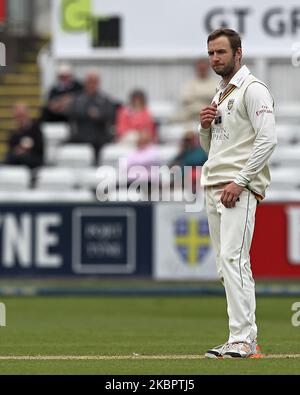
{"x": 190, "y": 155}
{"x": 135, "y": 118}
{"x": 60, "y": 95}
{"x": 145, "y": 155}
{"x": 91, "y": 114}
{"x": 26, "y": 145}
{"x": 197, "y": 93}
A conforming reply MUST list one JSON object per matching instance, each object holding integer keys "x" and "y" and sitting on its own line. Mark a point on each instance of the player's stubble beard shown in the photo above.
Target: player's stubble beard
{"x": 227, "y": 70}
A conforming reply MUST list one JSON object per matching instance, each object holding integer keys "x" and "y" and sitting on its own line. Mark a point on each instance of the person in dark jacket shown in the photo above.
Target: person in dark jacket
{"x": 61, "y": 94}
{"x": 92, "y": 114}
{"x": 26, "y": 145}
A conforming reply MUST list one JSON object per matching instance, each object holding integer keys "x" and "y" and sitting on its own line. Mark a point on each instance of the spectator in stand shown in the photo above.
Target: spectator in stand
{"x": 197, "y": 93}
{"x": 26, "y": 145}
{"x": 135, "y": 118}
{"x": 60, "y": 95}
{"x": 91, "y": 114}
{"x": 145, "y": 155}
{"x": 190, "y": 156}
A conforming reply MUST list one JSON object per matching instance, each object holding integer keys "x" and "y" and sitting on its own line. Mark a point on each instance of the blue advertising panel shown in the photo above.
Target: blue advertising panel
{"x": 104, "y": 240}
{"x": 68, "y": 239}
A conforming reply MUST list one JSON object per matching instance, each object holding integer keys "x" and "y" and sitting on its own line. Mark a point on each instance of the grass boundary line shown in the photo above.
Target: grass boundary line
{"x": 122, "y": 357}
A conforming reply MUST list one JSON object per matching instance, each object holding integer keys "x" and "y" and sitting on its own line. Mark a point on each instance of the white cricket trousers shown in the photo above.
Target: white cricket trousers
{"x": 231, "y": 231}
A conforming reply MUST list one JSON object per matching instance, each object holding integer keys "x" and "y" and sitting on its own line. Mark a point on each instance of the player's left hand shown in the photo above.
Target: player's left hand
{"x": 230, "y": 194}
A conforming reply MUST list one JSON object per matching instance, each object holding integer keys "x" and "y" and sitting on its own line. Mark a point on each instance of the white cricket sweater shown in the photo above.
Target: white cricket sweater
{"x": 239, "y": 147}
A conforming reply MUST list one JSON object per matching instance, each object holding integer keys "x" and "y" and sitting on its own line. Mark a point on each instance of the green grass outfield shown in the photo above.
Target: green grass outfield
{"x": 175, "y": 330}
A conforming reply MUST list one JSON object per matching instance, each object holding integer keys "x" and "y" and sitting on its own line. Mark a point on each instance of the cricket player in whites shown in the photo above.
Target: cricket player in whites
{"x": 238, "y": 132}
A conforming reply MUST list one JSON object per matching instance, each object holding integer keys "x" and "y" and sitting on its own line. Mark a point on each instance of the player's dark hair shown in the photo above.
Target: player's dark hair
{"x": 233, "y": 37}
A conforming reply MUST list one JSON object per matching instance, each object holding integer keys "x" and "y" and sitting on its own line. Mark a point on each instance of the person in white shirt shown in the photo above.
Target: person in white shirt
{"x": 238, "y": 132}
{"x": 198, "y": 92}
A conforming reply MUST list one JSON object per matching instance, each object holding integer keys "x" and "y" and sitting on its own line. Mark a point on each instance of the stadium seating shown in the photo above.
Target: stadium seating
{"x": 87, "y": 178}
{"x": 74, "y": 176}
{"x": 285, "y": 178}
{"x": 172, "y": 133}
{"x": 162, "y": 111}
{"x": 287, "y": 134}
{"x": 14, "y": 178}
{"x": 75, "y": 155}
{"x": 282, "y": 196}
{"x": 57, "y": 179}
{"x": 111, "y": 153}
{"x": 54, "y": 134}
{"x": 286, "y": 156}
{"x": 166, "y": 153}
{"x": 288, "y": 112}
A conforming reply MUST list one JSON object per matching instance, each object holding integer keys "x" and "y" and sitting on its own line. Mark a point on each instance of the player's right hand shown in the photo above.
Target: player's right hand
{"x": 207, "y": 115}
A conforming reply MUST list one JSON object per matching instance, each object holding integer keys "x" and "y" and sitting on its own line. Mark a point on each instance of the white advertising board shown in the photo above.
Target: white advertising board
{"x": 182, "y": 247}
{"x": 171, "y": 29}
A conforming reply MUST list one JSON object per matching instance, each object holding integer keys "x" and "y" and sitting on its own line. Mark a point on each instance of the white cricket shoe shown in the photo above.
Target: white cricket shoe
{"x": 233, "y": 350}
{"x": 216, "y": 352}
{"x": 242, "y": 350}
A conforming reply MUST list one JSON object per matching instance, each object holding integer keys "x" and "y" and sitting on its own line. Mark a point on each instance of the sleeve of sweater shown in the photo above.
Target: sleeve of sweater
{"x": 205, "y": 138}
{"x": 260, "y": 108}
